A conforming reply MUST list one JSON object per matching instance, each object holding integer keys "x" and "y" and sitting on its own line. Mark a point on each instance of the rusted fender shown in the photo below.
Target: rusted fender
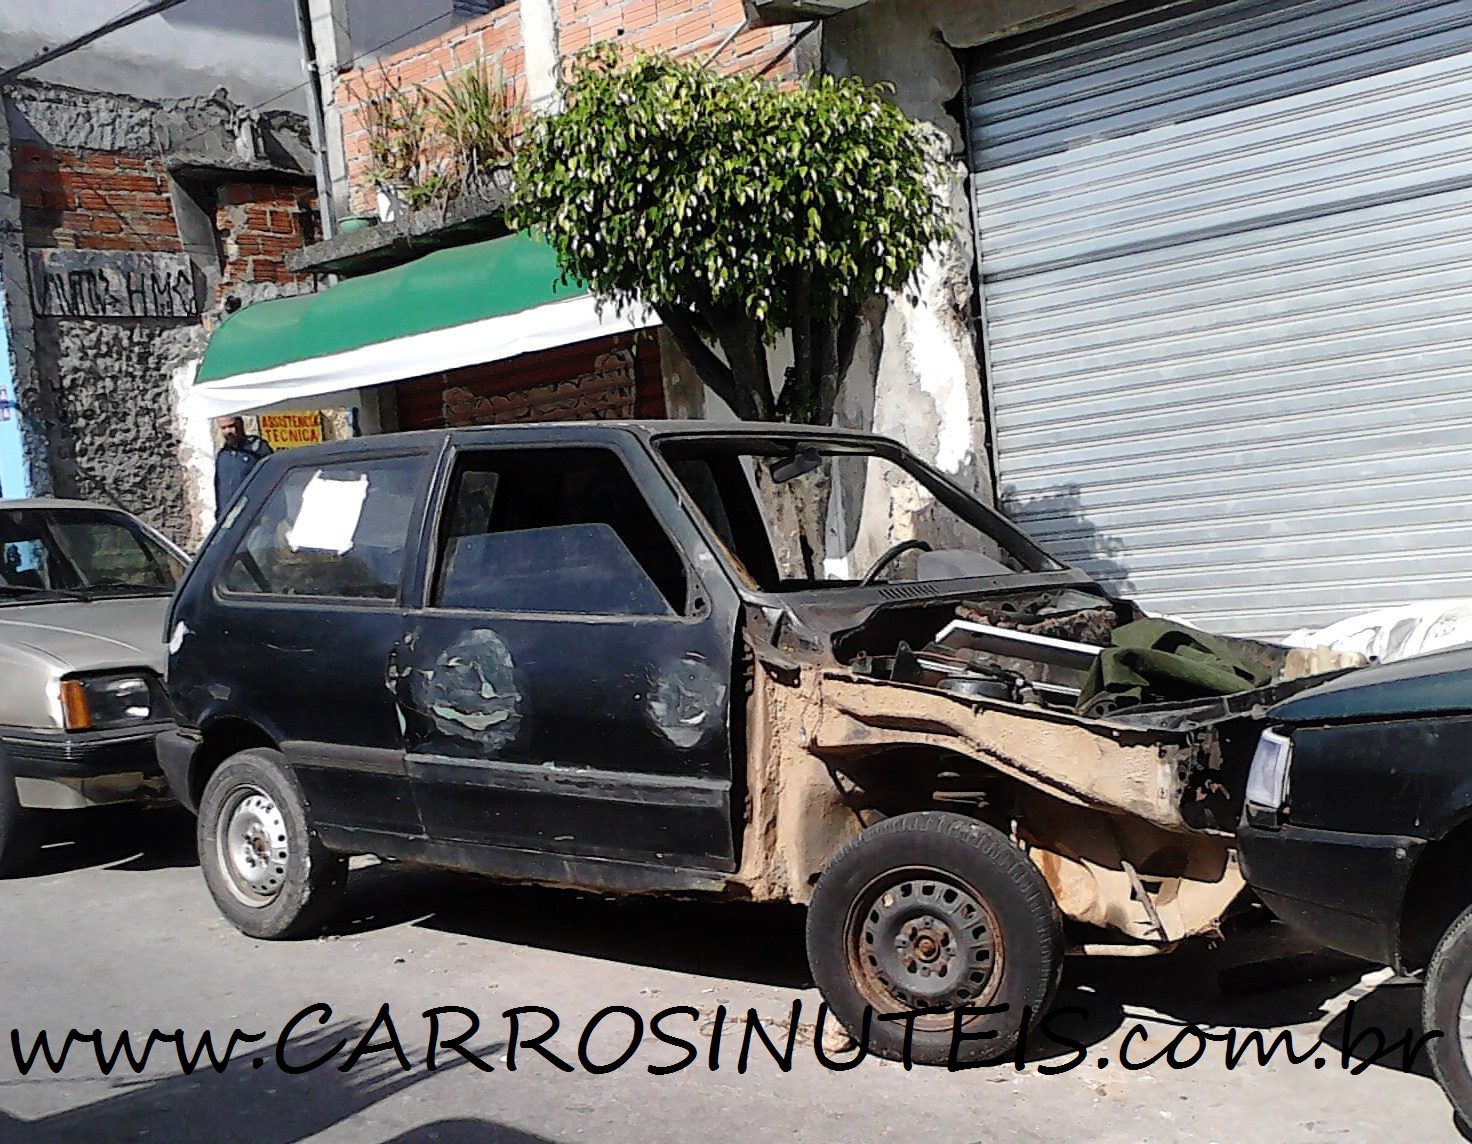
{"x": 1089, "y": 764}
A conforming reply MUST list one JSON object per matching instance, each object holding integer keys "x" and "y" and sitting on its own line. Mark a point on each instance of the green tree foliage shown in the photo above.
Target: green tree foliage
{"x": 738, "y": 210}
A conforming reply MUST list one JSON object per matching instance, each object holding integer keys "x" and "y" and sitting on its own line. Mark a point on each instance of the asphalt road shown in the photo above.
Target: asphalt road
{"x": 116, "y": 932}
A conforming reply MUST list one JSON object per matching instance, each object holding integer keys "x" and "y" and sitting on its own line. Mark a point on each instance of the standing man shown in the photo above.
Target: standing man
{"x": 235, "y": 459}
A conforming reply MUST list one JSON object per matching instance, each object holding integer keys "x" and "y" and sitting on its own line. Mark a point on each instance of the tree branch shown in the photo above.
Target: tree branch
{"x": 716, "y": 375}
{"x": 741, "y": 340}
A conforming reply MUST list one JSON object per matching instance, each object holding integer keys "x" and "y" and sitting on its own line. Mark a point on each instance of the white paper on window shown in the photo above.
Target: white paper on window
{"x": 329, "y": 514}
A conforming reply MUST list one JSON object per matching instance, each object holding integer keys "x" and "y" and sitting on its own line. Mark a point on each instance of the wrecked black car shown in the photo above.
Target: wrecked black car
{"x": 770, "y": 662}
{"x": 1357, "y": 830}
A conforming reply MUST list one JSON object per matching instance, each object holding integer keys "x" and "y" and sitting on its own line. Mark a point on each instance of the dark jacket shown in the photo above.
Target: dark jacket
{"x": 232, "y": 466}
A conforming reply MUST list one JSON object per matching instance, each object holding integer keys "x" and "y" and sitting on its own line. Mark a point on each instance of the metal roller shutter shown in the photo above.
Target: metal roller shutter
{"x": 1226, "y": 261}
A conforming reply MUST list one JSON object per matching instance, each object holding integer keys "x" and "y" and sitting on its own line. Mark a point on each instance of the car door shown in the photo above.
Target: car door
{"x": 309, "y": 613}
{"x": 567, "y": 687}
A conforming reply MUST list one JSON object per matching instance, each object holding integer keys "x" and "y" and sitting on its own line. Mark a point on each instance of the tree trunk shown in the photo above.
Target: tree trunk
{"x": 720, "y": 378}
{"x": 825, "y": 333}
{"x": 798, "y": 401}
{"x": 741, "y": 341}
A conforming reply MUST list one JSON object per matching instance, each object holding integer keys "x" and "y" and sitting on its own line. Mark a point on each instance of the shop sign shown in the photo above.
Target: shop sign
{"x": 288, "y": 430}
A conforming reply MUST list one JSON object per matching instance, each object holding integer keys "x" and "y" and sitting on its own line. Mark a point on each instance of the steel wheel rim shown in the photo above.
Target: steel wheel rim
{"x": 251, "y": 847}
{"x": 922, "y": 938}
{"x": 1464, "y": 1026}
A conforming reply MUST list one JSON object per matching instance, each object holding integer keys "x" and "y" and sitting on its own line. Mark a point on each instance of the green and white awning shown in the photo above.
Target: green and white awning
{"x": 462, "y": 306}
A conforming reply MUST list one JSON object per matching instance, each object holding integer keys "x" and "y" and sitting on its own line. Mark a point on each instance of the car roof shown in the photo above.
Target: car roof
{"x": 591, "y": 429}
{"x": 60, "y": 503}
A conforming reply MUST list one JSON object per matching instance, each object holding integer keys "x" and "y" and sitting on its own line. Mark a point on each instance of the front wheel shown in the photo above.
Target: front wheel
{"x": 263, "y": 862}
{"x": 1446, "y": 1007}
{"x": 935, "y": 911}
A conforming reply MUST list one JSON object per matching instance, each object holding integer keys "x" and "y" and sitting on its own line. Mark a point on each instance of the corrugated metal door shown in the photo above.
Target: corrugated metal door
{"x": 1226, "y": 255}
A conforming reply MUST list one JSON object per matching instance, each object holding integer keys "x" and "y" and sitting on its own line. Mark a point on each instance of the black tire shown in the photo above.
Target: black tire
{"x": 917, "y": 912}
{"x": 253, "y": 811}
{"x": 1447, "y": 981}
{"x": 20, "y": 834}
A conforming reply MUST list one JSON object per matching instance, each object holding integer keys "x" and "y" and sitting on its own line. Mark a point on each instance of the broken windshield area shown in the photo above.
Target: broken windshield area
{"x": 803, "y": 515}
{"x": 80, "y": 553}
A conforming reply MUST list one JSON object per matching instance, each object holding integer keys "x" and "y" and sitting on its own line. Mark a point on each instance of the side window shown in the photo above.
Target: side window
{"x": 555, "y": 530}
{"x": 331, "y": 530}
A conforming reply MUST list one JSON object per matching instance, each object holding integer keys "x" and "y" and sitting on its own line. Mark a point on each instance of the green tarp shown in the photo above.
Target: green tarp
{"x": 1153, "y": 660}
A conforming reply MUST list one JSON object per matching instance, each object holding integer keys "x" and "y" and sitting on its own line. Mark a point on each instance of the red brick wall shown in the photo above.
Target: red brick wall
{"x": 93, "y": 201}
{"x": 258, "y": 223}
{"x": 495, "y": 38}
{"x": 684, "y": 27}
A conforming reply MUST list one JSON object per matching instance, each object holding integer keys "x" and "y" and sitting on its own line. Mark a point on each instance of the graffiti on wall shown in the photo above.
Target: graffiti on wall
{"x": 606, "y": 392}
{"x": 113, "y": 284}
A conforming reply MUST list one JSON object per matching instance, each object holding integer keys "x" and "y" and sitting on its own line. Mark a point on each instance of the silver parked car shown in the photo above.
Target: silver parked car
{"x": 83, "y": 591}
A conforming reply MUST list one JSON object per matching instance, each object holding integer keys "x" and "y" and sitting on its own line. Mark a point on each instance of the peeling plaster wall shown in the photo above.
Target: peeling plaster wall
{"x": 924, "y": 382}
{"x": 196, "y": 455}
{"x": 927, "y": 382}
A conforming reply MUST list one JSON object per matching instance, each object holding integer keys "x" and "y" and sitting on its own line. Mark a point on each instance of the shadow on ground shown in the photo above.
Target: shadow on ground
{"x": 118, "y": 837}
{"x": 244, "y": 1105}
{"x": 1259, "y": 978}
{"x": 743, "y": 941}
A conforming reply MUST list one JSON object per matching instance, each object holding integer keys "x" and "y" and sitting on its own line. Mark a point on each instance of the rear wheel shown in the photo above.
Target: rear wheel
{"x": 935, "y": 911}
{"x": 1446, "y": 1007}
{"x": 262, "y": 860}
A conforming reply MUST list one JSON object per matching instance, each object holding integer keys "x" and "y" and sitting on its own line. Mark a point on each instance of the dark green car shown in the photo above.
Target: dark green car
{"x": 1357, "y": 830}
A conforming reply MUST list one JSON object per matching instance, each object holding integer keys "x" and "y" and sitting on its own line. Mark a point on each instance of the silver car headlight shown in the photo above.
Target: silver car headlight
{"x": 101, "y": 702}
{"x": 1267, "y": 780}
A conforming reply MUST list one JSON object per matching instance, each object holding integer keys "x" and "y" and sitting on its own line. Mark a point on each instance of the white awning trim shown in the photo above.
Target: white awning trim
{"x": 494, "y": 339}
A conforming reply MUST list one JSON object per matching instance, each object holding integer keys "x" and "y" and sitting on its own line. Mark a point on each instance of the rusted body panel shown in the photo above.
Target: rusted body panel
{"x": 1096, "y": 805}
{"x": 1079, "y": 764}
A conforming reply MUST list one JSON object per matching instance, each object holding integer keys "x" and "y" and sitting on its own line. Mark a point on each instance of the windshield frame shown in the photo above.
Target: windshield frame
{"x": 1043, "y": 568}
{"x": 147, "y": 538}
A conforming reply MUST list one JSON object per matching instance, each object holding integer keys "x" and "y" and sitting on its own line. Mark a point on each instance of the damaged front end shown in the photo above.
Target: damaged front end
{"x": 995, "y": 704}
{"x": 911, "y": 649}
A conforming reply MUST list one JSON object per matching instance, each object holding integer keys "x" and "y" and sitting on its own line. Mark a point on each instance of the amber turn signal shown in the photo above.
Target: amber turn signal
{"x": 75, "y": 714}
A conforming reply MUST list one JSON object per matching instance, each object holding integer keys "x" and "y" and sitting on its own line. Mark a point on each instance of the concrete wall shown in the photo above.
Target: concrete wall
{"x": 923, "y": 380}
{"x": 111, "y": 196}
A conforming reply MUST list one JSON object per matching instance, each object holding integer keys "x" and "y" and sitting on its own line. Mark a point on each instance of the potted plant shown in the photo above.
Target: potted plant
{"x": 401, "y": 167}
{"x": 480, "y": 120}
